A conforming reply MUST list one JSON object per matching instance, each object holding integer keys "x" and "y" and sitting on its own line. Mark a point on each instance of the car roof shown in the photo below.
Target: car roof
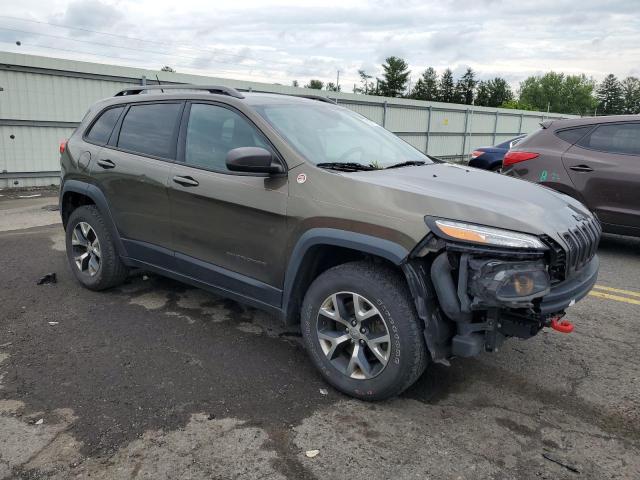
{"x": 576, "y": 122}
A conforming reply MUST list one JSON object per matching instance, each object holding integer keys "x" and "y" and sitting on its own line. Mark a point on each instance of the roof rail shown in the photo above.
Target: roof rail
{"x": 215, "y": 89}
{"x": 317, "y": 97}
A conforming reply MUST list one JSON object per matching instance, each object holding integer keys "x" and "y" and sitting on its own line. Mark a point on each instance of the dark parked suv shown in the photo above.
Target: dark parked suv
{"x": 387, "y": 258}
{"x": 595, "y": 160}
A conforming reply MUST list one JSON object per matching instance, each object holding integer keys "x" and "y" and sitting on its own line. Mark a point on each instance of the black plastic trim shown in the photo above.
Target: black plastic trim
{"x": 563, "y": 294}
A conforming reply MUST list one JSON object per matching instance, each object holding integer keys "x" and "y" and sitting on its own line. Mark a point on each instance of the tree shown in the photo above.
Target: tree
{"x": 610, "y": 96}
{"x": 516, "y": 105}
{"x": 559, "y": 93}
{"x": 446, "y": 89}
{"x": 332, "y": 87}
{"x": 426, "y": 88}
{"x": 167, "y": 68}
{"x": 295, "y": 83}
{"x": 395, "y": 77}
{"x": 465, "y": 88}
{"x": 315, "y": 84}
{"x": 493, "y": 93}
{"x": 367, "y": 86}
{"x": 631, "y": 95}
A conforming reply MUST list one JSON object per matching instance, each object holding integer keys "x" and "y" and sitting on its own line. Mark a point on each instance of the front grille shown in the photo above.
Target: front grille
{"x": 582, "y": 244}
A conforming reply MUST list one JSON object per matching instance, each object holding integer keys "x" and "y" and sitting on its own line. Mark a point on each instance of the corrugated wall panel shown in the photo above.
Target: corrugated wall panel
{"x": 406, "y": 119}
{"x": 372, "y": 112}
{"x": 33, "y": 149}
{"x": 531, "y": 123}
{"x": 447, "y": 121}
{"x": 475, "y": 141}
{"x": 445, "y": 145}
{"x": 481, "y": 122}
{"x": 418, "y": 141}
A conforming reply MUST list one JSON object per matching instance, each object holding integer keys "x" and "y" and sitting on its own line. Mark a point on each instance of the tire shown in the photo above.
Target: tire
{"x": 88, "y": 225}
{"x": 373, "y": 286}
{"x": 497, "y": 168}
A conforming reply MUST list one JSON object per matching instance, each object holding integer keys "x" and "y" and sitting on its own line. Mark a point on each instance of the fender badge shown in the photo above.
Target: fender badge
{"x": 301, "y": 178}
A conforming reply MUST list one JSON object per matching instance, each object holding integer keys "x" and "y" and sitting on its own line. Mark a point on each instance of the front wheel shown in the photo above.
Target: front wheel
{"x": 362, "y": 332}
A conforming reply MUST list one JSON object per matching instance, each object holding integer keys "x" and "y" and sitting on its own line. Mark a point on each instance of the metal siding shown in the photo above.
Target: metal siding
{"x": 417, "y": 141}
{"x": 447, "y": 121}
{"x": 481, "y": 122}
{"x": 406, "y": 120}
{"x": 34, "y": 149}
{"x": 372, "y": 112}
{"x": 509, "y": 124}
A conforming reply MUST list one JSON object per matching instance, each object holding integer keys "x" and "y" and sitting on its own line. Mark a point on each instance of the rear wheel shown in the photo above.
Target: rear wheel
{"x": 362, "y": 332}
{"x": 91, "y": 250}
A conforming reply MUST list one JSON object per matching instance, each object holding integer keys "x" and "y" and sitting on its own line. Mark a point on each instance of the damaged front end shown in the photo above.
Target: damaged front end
{"x": 479, "y": 295}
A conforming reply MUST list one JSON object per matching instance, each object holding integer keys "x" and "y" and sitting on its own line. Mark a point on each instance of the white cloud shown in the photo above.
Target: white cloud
{"x": 282, "y": 40}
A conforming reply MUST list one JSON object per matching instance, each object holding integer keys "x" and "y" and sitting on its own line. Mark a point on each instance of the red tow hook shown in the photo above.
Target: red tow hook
{"x": 562, "y": 326}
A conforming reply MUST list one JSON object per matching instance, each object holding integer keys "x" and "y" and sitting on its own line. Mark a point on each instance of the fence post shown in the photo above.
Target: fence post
{"x": 520, "y": 127}
{"x": 384, "y": 114}
{"x": 464, "y": 136}
{"x": 426, "y": 150}
{"x": 143, "y": 81}
{"x": 495, "y": 127}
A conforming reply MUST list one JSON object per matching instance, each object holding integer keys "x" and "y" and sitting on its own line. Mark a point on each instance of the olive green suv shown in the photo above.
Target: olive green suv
{"x": 387, "y": 258}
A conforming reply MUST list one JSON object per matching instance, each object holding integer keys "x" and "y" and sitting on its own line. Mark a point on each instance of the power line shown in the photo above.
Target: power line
{"x": 126, "y": 37}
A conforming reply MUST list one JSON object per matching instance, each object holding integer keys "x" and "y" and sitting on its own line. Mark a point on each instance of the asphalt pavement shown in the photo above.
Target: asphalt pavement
{"x": 159, "y": 380}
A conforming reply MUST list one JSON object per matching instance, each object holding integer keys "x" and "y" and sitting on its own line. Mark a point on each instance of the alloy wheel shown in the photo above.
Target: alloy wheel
{"x": 86, "y": 249}
{"x": 353, "y": 335}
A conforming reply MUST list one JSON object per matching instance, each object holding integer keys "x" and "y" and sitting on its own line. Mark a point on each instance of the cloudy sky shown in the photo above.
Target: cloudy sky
{"x": 279, "y": 41}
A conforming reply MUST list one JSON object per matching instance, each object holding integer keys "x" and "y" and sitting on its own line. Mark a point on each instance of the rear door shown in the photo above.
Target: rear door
{"x": 225, "y": 223}
{"x": 132, "y": 171}
{"x": 605, "y": 167}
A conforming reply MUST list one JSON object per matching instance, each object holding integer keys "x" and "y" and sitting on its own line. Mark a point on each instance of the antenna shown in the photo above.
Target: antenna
{"x": 161, "y": 90}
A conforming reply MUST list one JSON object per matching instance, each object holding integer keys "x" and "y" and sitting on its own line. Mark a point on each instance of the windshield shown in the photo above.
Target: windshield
{"x": 326, "y": 134}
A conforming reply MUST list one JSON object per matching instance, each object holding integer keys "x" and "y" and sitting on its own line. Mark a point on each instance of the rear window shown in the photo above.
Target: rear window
{"x": 614, "y": 138}
{"x": 102, "y": 128}
{"x": 151, "y": 129}
{"x": 572, "y": 135}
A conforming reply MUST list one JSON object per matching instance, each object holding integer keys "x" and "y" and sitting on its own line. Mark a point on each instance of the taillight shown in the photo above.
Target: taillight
{"x": 476, "y": 154}
{"x": 515, "y": 157}
{"x": 63, "y": 146}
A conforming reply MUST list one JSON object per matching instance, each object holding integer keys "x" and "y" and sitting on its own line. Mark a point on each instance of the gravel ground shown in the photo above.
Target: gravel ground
{"x": 158, "y": 380}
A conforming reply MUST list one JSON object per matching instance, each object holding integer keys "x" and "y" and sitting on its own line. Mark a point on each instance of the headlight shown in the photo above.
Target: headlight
{"x": 468, "y": 232}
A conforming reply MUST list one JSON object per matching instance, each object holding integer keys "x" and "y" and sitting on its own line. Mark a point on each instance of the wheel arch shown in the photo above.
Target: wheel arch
{"x": 76, "y": 193}
{"x": 319, "y": 249}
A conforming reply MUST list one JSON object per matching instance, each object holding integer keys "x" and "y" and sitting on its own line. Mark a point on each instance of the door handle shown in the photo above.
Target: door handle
{"x": 581, "y": 168}
{"x": 186, "y": 181}
{"x": 106, "y": 163}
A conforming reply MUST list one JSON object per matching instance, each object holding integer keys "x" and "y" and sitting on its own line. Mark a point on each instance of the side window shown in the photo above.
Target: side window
{"x": 572, "y": 135}
{"x": 615, "y": 138}
{"x": 150, "y": 129}
{"x": 102, "y": 128}
{"x": 212, "y": 131}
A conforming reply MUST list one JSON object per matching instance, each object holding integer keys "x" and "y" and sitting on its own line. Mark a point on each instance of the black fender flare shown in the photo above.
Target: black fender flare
{"x": 99, "y": 199}
{"x": 361, "y": 242}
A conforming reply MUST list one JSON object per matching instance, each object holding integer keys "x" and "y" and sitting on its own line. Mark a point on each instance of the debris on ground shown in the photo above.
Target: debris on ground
{"x": 312, "y": 453}
{"x": 51, "y": 208}
{"x": 48, "y": 278}
{"x": 40, "y": 422}
{"x": 30, "y": 196}
{"x": 554, "y": 459}
{"x": 324, "y": 391}
{"x": 53, "y": 323}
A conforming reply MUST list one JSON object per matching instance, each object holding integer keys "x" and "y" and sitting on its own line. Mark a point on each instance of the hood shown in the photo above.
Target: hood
{"x": 477, "y": 196}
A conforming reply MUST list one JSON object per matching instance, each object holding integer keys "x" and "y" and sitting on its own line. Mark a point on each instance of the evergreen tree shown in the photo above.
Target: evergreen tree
{"x": 395, "y": 77}
{"x": 426, "y": 87}
{"x": 446, "y": 88}
{"x": 466, "y": 87}
{"x": 610, "y": 96}
{"x": 631, "y": 94}
{"x": 367, "y": 86}
{"x": 295, "y": 83}
{"x": 493, "y": 93}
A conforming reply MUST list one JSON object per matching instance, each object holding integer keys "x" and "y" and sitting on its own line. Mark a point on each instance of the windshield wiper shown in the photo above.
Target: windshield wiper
{"x": 345, "y": 166}
{"x": 407, "y": 164}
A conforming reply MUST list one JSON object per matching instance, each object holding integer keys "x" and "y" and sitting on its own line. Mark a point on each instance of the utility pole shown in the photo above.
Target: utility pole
{"x": 338, "y": 82}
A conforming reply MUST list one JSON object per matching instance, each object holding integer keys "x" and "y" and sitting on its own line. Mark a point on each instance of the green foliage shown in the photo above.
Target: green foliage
{"x": 332, "y": 87}
{"x": 631, "y": 95}
{"x": 465, "y": 87}
{"x": 395, "y": 77}
{"x": 446, "y": 88}
{"x": 315, "y": 84}
{"x": 367, "y": 86}
{"x": 295, "y": 83}
{"x": 559, "y": 93}
{"x": 494, "y": 93}
{"x": 426, "y": 88}
{"x": 516, "y": 105}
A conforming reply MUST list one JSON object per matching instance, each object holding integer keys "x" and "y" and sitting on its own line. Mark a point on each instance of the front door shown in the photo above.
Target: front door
{"x": 228, "y": 229}
{"x": 605, "y": 167}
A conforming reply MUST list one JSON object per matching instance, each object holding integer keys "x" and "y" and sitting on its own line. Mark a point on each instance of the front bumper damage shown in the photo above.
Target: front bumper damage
{"x": 487, "y": 295}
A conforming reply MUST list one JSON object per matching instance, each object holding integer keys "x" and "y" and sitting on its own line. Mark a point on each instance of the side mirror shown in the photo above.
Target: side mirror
{"x": 253, "y": 160}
